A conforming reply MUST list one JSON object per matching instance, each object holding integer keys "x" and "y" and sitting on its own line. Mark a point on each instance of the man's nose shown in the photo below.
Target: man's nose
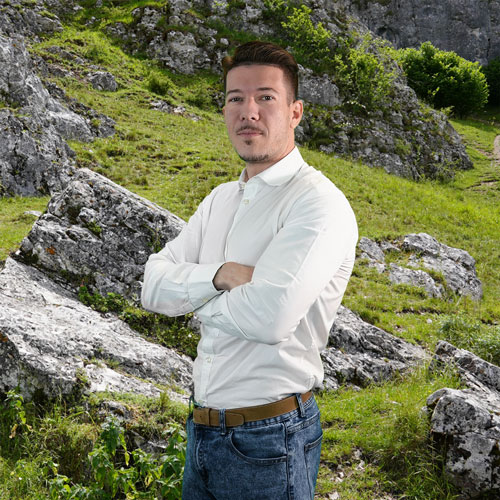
{"x": 250, "y": 110}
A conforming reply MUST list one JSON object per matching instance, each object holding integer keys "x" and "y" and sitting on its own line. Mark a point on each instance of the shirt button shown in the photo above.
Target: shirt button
{"x": 246, "y": 201}
{"x": 209, "y": 360}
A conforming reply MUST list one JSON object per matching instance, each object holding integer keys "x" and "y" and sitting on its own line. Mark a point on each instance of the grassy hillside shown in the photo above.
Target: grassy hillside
{"x": 376, "y": 440}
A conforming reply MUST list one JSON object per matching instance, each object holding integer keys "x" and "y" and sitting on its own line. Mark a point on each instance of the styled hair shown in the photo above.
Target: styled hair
{"x": 257, "y": 52}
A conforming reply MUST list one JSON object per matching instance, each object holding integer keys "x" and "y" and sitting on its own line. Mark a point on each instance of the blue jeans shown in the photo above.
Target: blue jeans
{"x": 272, "y": 459}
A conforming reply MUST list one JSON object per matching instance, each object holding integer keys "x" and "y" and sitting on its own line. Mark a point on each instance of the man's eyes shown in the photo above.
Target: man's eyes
{"x": 262, "y": 98}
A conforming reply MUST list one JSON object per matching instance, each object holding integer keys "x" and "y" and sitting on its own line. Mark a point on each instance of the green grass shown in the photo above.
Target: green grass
{"x": 379, "y": 438}
{"x": 175, "y": 162}
{"x": 15, "y": 223}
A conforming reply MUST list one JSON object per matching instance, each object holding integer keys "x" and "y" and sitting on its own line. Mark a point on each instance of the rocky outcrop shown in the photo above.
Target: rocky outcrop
{"x": 51, "y": 344}
{"x": 103, "y": 80}
{"x": 34, "y": 157}
{"x": 457, "y": 266}
{"x": 359, "y": 354}
{"x": 29, "y": 18}
{"x": 98, "y": 233}
{"x": 466, "y": 423}
{"x": 469, "y": 27}
{"x": 401, "y": 136}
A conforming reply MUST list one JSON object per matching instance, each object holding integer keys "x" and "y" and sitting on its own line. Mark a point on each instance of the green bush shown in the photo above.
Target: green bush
{"x": 363, "y": 71}
{"x": 306, "y": 38}
{"x": 492, "y": 73}
{"x": 361, "y": 66}
{"x": 445, "y": 79}
{"x": 116, "y": 473}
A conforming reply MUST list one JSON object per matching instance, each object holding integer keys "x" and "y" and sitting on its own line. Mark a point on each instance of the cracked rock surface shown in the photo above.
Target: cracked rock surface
{"x": 359, "y": 353}
{"x": 51, "y": 343}
{"x": 98, "y": 233}
{"x": 467, "y": 422}
{"x": 457, "y": 266}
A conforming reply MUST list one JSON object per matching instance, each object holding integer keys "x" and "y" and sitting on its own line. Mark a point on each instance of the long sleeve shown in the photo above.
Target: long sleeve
{"x": 175, "y": 282}
{"x": 318, "y": 236}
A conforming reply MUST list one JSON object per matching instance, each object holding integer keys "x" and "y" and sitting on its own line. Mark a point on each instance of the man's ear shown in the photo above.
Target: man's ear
{"x": 297, "y": 111}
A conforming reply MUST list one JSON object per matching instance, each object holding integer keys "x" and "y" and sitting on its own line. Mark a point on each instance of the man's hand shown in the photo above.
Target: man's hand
{"x": 232, "y": 274}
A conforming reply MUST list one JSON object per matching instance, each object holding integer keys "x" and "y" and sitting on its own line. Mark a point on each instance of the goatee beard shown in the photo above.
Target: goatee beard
{"x": 254, "y": 158}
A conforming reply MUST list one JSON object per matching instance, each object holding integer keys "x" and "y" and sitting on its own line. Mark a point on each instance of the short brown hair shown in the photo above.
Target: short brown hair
{"x": 257, "y": 52}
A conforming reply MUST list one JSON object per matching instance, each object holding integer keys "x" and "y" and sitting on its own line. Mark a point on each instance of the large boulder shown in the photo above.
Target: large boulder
{"x": 457, "y": 266}
{"x": 359, "y": 353}
{"x": 466, "y": 423}
{"x": 22, "y": 89}
{"x": 34, "y": 157}
{"x": 51, "y": 344}
{"x": 31, "y": 19}
{"x": 97, "y": 233}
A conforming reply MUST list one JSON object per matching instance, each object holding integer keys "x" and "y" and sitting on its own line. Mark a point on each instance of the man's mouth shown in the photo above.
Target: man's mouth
{"x": 249, "y": 132}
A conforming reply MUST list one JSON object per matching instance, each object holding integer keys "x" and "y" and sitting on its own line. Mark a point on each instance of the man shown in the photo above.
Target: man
{"x": 263, "y": 263}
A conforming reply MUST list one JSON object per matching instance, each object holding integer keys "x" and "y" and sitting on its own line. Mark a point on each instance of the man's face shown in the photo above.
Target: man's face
{"x": 260, "y": 114}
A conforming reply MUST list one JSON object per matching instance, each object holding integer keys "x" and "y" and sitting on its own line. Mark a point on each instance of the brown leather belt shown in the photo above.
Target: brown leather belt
{"x": 238, "y": 416}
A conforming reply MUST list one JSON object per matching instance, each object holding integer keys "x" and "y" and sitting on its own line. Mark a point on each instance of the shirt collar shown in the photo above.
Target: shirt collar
{"x": 279, "y": 173}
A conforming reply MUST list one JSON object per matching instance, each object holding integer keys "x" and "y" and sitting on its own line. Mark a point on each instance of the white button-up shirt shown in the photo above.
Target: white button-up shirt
{"x": 261, "y": 341}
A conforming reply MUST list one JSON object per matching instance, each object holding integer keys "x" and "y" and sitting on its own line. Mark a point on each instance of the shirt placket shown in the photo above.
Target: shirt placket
{"x": 249, "y": 196}
{"x": 209, "y": 356}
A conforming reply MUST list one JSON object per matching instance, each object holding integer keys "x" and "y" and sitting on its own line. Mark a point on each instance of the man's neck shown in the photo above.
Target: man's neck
{"x": 253, "y": 169}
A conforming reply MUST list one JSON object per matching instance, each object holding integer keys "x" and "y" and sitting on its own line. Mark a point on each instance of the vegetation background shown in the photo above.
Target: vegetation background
{"x": 376, "y": 440}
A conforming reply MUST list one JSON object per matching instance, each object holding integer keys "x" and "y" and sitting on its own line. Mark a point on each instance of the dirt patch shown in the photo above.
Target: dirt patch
{"x": 496, "y": 150}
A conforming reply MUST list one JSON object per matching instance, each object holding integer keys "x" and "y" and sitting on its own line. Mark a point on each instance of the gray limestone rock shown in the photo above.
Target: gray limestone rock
{"x": 31, "y": 163}
{"x": 318, "y": 89}
{"x": 100, "y": 233}
{"x": 370, "y": 249}
{"x": 466, "y": 423}
{"x": 179, "y": 52}
{"x": 103, "y": 80}
{"x": 22, "y": 89}
{"x": 34, "y": 157}
{"x": 469, "y": 27}
{"x": 456, "y": 265}
{"x": 359, "y": 353}
{"x": 415, "y": 277}
{"x": 51, "y": 344}
{"x": 17, "y": 18}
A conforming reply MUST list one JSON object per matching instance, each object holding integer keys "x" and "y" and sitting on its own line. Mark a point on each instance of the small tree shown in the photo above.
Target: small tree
{"x": 445, "y": 79}
{"x": 492, "y": 73}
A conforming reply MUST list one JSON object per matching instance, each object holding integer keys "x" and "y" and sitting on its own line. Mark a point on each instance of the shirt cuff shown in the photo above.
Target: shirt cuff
{"x": 200, "y": 285}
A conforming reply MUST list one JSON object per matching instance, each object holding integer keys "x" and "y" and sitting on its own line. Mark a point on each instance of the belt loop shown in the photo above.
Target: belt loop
{"x": 191, "y": 404}
{"x": 222, "y": 421}
{"x": 302, "y": 412}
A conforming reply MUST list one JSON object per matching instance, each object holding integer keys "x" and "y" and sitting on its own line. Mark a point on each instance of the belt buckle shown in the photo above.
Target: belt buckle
{"x": 202, "y": 416}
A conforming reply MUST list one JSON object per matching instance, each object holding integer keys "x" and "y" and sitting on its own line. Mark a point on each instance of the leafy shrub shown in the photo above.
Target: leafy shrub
{"x": 445, "y": 79}
{"x": 12, "y": 422}
{"x": 492, "y": 73}
{"x": 360, "y": 66}
{"x": 116, "y": 473}
{"x": 306, "y": 38}
{"x": 363, "y": 71}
